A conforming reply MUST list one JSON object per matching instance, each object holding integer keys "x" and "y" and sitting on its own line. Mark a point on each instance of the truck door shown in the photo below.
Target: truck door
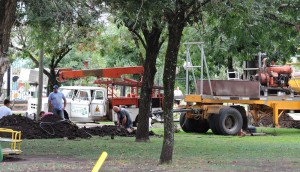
{"x": 69, "y": 94}
{"x": 98, "y": 103}
{"x": 80, "y": 104}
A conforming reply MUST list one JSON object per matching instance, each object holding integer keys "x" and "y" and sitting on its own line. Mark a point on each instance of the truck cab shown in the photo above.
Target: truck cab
{"x": 86, "y": 104}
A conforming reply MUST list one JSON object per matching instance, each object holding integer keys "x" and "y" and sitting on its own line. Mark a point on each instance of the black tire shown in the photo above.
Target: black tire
{"x": 211, "y": 121}
{"x": 242, "y": 110}
{"x": 214, "y": 123}
{"x": 230, "y": 122}
{"x": 185, "y": 123}
{"x": 199, "y": 126}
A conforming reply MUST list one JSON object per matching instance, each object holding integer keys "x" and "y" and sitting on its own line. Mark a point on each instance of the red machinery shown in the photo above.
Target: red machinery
{"x": 115, "y": 76}
{"x": 274, "y": 76}
{"x": 67, "y": 73}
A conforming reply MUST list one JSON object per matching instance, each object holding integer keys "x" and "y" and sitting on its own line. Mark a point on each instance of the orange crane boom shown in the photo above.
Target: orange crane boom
{"x": 117, "y": 72}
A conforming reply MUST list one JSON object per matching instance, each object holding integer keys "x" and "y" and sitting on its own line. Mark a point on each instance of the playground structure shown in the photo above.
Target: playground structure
{"x": 10, "y": 142}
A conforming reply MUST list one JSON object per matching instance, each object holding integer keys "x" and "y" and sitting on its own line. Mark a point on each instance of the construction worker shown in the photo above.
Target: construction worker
{"x": 124, "y": 119}
{"x": 5, "y": 110}
{"x": 55, "y": 102}
{"x": 177, "y": 93}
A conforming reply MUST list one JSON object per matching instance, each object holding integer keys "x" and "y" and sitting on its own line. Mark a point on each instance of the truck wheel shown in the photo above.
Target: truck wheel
{"x": 185, "y": 123}
{"x": 211, "y": 120}
{"x": 242, "y": 110}
{"x": 199, "y": 126}
{"x": 214, "y": 123}
{"x": 230, "y": 121}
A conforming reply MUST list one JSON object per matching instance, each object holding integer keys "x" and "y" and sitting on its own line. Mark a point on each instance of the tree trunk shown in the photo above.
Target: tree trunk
{"x": 7, "y": 19}
{"x": 52, "y": 79}
{"x": 152, "y": 50}
{"x": 175, "y": 27}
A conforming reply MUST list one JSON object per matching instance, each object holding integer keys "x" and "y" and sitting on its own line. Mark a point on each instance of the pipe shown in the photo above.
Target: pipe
{"x": 100, "y": 162}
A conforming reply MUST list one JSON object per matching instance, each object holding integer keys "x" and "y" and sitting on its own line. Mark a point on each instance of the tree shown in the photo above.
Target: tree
{"x": 236, "y": 31}
{"x": 7, "y": 19}
{"x": 54, "y": 26}
{"x": 177, "y": 15}
{"x": 144, "y": 20}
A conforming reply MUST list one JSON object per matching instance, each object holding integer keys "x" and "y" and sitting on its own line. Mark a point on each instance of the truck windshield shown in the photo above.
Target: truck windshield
{"x": 98, "y": 95}
{"x": 82, "y": 95}
{"x": 68, "y": 93}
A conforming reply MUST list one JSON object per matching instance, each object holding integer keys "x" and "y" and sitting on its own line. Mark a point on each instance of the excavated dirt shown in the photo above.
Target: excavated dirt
{"x": 52, "y": 126}
{"x": 284, "y": 121}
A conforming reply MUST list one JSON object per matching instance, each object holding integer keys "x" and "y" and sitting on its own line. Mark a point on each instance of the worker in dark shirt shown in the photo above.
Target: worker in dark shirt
{"x": 124, "y": 119}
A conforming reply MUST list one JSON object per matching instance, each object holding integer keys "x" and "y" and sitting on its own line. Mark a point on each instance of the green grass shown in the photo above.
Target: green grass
{"x": 192, "y": 152}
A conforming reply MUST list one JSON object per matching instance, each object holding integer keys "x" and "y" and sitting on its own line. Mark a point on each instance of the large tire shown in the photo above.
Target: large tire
{"x": 211, "y": 120}
{"x": 230, "y": 122}
{"x": 242, "y": 110}
{"x": 214, "y": 123}
{"x": 199, "y": 126}
{"x": 185, "y": 123}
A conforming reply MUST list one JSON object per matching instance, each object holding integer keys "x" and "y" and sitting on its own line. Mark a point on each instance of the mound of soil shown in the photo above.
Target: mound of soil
{"x": 111, "y": 130}
{"x": 285, "y": 121}
{"x": 52, "y": 126}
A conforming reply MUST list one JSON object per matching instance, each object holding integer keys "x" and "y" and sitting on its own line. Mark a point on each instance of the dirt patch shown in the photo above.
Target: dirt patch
{"x": 52, "y": 126}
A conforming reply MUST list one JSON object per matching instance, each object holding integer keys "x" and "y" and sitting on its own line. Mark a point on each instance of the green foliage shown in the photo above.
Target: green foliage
{"x": 117, "y": 47}
{"x": 54, "y": 26}
{"x": 246, "y": 27}
{"x": 241, "y": 29}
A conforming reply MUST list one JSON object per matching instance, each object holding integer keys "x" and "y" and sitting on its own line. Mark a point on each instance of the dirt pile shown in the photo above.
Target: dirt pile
{"x": 110, "y": 130}
{"x": 43, "y": 129}
{"x": 52, "y": 126}
{"x": 284, "y": 121}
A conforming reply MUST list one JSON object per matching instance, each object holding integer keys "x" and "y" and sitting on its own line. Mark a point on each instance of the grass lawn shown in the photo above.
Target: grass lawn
{"x": 277, "y": 151}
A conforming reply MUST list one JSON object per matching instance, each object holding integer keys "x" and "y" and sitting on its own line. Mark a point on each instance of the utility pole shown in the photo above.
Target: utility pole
{"x": 40, "y": 87}
{"x": 8, "y": 83}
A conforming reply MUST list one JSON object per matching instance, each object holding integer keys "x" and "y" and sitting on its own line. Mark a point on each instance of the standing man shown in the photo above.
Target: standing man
{"x": 5, "y": 110}
{"x": 123, "y": 118}
{"x": 55, "y": 102}
{"x": 177, "y": 93}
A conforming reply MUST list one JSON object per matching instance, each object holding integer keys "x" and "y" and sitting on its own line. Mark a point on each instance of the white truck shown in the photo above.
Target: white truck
{"x": 89, "y": 104}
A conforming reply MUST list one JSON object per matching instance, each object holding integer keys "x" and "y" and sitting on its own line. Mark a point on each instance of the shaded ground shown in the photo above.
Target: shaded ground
{"x": 53, "y": 127}
{"x": 48, "y": 163}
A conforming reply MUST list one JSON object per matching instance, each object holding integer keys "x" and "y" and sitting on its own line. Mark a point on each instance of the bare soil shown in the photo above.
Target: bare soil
{"x": 284, "y": 121}
{"x": 30, "y": 163}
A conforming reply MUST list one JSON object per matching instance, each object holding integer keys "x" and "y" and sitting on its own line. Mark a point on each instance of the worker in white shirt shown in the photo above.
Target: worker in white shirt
{"x": 5, "y": 109}
{"x": 177, "y": 92}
